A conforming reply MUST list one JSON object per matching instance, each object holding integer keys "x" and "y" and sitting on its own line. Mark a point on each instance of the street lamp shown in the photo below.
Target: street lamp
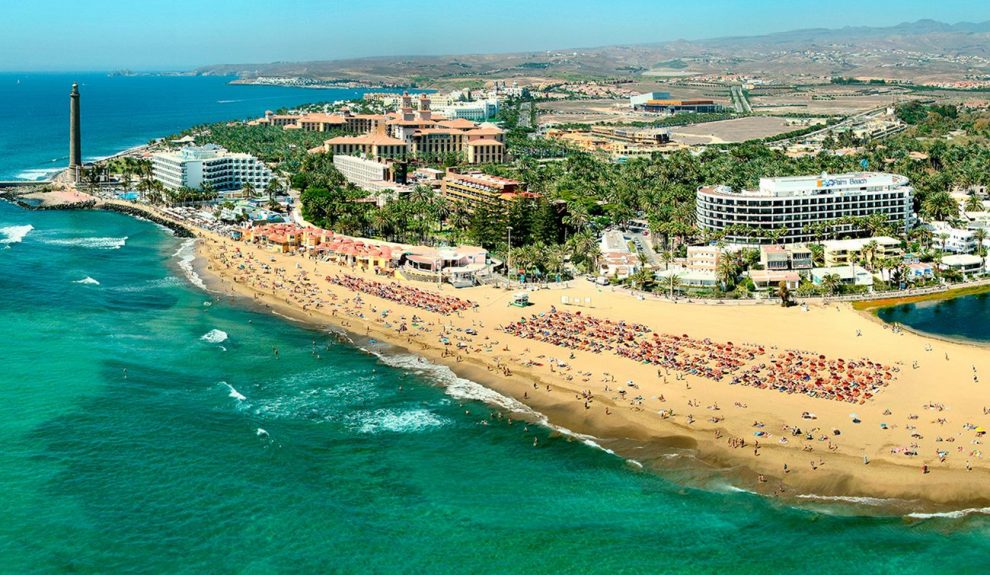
{"x": 508, "y": 262}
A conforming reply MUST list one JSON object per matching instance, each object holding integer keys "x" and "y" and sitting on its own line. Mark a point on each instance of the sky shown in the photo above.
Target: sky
{"x": 69, "y": 35}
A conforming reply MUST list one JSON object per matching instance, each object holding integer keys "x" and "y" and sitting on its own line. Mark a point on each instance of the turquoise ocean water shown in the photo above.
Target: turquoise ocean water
{"x": 211, "y": 456}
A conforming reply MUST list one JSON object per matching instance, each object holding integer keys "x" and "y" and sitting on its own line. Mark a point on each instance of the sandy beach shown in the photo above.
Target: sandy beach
{"x": 919, "y": 438}
{"x": 710, "y": 398}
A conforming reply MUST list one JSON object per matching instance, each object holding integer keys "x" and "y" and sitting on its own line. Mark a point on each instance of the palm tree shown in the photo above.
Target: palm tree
{"x": 831, "y": 283}
{"x": 272, "y": 187}
{"x": 556, "y": 255}
{"x": 727, "y": 270}
{"x": 644, "y": 279}
{"x": 784, "y": 293}
{"x": 666, "y": 256}
{"x": 869, "y": 252}
{"x": 980, "y": 235}
{"x": 673, "y": 282}
{"x": 973, "y": 203}
{"x": 940, "y": 206}
{"x": 942, "y": 238}
{"x": 577, "y": 217}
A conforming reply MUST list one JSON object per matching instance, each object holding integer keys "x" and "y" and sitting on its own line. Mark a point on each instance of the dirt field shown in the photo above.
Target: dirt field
{"x": 728, "y": 131}
{"x": 829, "y": 100}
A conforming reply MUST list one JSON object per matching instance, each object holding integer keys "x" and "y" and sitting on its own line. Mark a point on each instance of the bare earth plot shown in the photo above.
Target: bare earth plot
{"x": 729, "y": 131}
{"x": 829, "y": 100}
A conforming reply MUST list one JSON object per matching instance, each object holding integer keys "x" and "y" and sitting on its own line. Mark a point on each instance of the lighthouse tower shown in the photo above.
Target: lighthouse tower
{"x": 75, "y": 141}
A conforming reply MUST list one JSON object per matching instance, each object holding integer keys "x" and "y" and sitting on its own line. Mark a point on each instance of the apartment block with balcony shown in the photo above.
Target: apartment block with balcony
{"x": 798, "y": 205}
{"x": 843, "y": 252}
{"x": 196, "y": 166}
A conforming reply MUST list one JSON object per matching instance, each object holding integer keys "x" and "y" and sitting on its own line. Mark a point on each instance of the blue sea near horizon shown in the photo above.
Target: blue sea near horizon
{"x": 120, "y": 112}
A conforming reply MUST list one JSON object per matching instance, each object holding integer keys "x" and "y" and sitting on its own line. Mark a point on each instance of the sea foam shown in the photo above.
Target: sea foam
{"x": 460, "y": 388}
{"x": 14, "y": 234}
{"x": 396, "y": 421}
{"x": 186, "y": 254}
{"x": 87, "y": 281}
{"x": 233, "y": 392}
{"x": 959, "y": 514}
{"x": 214, "y": 336}
{"x": 89, "y": 243}
{"x": 38, "y": 174}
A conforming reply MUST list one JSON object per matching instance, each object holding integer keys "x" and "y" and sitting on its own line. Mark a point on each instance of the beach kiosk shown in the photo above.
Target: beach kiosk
{"x": 520, "y": 299}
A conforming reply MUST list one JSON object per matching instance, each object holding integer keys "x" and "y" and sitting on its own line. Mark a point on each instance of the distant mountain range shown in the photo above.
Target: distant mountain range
{"x": 926, "y": 49}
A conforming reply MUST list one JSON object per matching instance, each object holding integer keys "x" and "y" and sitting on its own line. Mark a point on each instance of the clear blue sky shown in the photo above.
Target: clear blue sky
{"x": 181, "y": 34}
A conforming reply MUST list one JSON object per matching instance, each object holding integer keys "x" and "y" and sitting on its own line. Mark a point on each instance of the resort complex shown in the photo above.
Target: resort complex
{"x": 210, "y": 166}
{"x": 805, "y": 208}
{"x": 409, "y": 133}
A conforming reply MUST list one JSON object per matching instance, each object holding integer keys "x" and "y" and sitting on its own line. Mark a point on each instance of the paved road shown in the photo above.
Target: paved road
{"x": 644, "y": 245}
{"x": 739, "y": 100}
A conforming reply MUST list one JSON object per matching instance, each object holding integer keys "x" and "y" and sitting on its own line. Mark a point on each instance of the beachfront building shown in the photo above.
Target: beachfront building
{"x": 778, "y": 257}
{"x": 795, "y": 206}
{"x": 196, "y": 166}
{"x": 847, "y": 275}
{"x": 919, "y": 271}
{"x": 703, "y": 258}
{"x": 843, "y": 252}
{"x": 461, "y": 266}
{"x": 700, "y": 279}
{"x": 770, "y": 280}
{"x": 952, "y": 239}
{"x": 473, "y": 188}
{"x": 617, "y": 260}
{"x": 966, "y": 264}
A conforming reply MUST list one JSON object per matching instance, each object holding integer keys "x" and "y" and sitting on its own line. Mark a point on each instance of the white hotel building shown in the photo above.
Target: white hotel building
{"x": 194, "y": 166}
{"x": 797, "y": 202}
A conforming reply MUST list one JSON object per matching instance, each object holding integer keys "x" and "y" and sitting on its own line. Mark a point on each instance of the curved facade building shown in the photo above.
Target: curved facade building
{"x": 798, "y": 202}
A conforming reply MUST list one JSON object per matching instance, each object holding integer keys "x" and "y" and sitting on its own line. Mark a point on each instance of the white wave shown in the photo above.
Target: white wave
{"x": 148, "y": 285}
{"x": 15, "y": 234}
{"x": 460, "y": 388}
{"x": 214, "y": 336}
{"x": 233, "y": 392}
{"x": 952, "y": 514}
{"x": 733, "y": 489}
{"x": 87, "y": 281}
{"x": 285, "y": 317}
{"x": 89, "y": 243}
{"x": 873, "y": 501}
{"x": 187, "y": 255}
{"x": 396, "y": 421}
{"x": 38, "y": 174}
{"x": 261, "y": 433}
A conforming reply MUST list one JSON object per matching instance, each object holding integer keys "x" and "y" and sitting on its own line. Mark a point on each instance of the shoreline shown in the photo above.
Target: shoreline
{"x": 628, "y": 436}
{"x": 635, "y": 432}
